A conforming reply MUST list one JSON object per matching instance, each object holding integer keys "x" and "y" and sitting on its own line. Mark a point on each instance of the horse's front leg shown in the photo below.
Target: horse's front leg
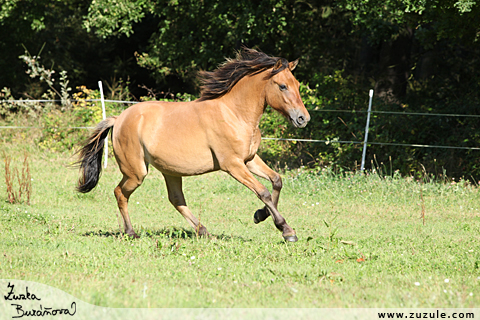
{"x": 241, "y": 173}
{"x": 258, "y": 167}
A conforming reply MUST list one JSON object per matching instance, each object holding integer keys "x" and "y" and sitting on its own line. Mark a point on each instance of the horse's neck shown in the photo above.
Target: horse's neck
{"x": 247, "y": 99}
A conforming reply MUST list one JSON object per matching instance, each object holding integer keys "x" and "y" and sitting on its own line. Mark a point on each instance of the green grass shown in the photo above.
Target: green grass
{"x": 362, "y": 242}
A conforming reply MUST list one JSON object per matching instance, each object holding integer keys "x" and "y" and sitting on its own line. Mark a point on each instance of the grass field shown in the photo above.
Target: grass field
{"x": 362, "y": 241}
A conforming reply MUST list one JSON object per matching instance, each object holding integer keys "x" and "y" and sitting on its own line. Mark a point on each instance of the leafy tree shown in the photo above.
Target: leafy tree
{"x": 193, "y": 35}
{"x": 418, "y": 55}
{"x": 54, "y": 30}
{"x": 388, "y": 41}
{"x": 407, "y": 35}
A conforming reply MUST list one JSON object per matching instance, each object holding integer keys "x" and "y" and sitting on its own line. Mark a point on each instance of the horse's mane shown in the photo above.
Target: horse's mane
{"x": 247, "y": 62}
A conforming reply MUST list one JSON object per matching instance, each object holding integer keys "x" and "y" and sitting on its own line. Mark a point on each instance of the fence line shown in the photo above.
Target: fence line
{"x": 400, "y": 113}
{"x": 62, "y": 128}
{"x": 311, "y": 110}
{"x": 70, "y": 100}
{"x": 18, "y": 127}
{"x": 428, "y": 114}
{"x": 281, "y": 139}
{"x": 327, "y": 142}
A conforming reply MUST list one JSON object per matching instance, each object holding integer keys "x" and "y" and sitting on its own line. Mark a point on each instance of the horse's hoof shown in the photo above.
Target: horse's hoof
{"x": 292, "y": 238}
{"x": 202, "y": 232}
{"x": 260, "y": 215}
{"x": 133, "y": 235}
{"x": 204, "y": 235}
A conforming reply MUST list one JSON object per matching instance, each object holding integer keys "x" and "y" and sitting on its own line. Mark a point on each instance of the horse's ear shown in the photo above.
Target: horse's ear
{"x": 292, "y": 65}
{"x": 278, "y": 65}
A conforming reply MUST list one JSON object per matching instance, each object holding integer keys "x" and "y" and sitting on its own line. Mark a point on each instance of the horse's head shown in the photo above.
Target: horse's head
{"x": 282, "y": 93}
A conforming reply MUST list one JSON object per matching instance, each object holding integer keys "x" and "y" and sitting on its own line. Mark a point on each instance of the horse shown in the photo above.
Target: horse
{"x": 218, "y": 131}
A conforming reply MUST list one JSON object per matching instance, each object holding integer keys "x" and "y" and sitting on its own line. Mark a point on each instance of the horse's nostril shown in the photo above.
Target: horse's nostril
{"x": 301, "y": 119}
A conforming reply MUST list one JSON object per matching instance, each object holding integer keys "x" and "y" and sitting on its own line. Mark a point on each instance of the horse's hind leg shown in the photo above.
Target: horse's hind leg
{"x": 258, "y": 167}
{"x": 122, "y": 192}
{"x": 176, "y": 197}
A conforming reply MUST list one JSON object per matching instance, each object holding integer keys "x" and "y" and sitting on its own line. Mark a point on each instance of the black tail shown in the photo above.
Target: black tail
{"x": 90, "y": 156}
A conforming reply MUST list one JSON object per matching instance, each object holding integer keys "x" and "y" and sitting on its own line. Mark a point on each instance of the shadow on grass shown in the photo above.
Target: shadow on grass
{"x": 231, "y": 238}
{"x": 172, "y": 233}
{"x": 105, "y": 234}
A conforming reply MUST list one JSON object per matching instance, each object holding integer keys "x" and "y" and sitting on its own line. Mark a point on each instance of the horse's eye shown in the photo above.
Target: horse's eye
{"x": 282, "y": 87}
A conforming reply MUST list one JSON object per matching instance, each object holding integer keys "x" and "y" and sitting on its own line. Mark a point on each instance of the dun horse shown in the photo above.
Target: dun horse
{"x": 219, "y": 131}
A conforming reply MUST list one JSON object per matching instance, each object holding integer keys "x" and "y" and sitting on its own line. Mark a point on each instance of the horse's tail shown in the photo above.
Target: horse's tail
{"x": 90, "y": 156}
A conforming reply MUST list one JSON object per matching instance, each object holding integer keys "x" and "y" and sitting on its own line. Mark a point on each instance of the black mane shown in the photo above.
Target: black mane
{"x": 247, "y": 62}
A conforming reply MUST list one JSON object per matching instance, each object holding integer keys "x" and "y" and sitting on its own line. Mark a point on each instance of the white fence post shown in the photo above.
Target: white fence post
{"x": 362, "y": 167}
{"x": 104, "y": 117}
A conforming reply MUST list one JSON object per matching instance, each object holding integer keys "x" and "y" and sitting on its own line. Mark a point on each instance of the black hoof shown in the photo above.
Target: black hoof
{"x": 292, "y": 238}
{"x": 260, "y": 215}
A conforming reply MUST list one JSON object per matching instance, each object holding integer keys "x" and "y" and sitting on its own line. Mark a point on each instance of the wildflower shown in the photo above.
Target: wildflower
{"x": 447, "y": 280}
{"x": 417, "y": 283}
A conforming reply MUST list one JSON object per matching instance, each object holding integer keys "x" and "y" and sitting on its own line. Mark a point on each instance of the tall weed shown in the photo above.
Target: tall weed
{"x": 19, "y": 191}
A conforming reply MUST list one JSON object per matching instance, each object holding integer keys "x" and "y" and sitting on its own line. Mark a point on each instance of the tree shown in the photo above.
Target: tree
{"x": 55, "y": 30}
{"x": 387, "y": 41}
{"x": 407, "y": 35}
{"x": 419, "y": 55}
{"x": 193, "y": 35}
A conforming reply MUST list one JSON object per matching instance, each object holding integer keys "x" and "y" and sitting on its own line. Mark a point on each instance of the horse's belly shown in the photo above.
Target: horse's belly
{"x": 186, "y": 163}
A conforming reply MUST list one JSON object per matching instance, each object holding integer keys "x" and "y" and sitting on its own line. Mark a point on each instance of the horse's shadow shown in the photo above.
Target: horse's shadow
{"x": 167, "y": 232}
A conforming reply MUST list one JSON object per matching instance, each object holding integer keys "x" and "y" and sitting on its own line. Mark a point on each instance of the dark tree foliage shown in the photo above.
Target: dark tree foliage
{"x": 54, "y": 29}
{"x": 419, "y": 56}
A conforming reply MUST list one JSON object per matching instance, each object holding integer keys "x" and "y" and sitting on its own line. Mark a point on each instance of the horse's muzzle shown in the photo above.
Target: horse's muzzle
{"x": 299, "y": 119}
